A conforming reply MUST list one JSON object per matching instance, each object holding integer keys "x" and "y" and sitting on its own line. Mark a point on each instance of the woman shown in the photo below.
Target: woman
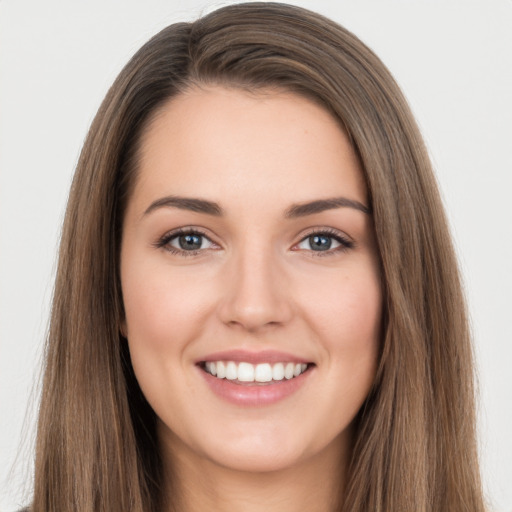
{"x": 257, "y": 303}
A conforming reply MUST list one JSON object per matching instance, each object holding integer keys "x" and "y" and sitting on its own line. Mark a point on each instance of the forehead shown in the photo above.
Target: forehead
{"x": 222, "y": 144}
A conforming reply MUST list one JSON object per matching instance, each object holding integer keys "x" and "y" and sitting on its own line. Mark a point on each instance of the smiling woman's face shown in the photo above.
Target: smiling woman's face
{"x": 248, "y": 252}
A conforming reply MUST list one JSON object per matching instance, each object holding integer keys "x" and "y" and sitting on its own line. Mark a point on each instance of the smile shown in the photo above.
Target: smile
{"x": 244, "y": 372}
{"x": 255, "y": 379}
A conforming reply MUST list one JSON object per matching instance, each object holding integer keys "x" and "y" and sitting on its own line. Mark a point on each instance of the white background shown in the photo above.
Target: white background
{"x": 453, "y": 58}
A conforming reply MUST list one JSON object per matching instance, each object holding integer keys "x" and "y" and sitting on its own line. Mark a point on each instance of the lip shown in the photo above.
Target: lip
{"x": 264, "y": 356}
{"x": 254, "y": 394}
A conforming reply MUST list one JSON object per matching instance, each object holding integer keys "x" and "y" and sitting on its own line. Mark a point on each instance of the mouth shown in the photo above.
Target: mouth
{"x": 246, "y": 378}
{"x": 261, "y": 374}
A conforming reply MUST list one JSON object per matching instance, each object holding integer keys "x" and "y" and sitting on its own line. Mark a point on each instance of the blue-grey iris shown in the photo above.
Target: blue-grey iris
{"x": 190, "y": 242}
{"x": 320, "y": 242}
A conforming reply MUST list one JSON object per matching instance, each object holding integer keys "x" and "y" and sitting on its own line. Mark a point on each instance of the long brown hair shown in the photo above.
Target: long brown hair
{"x": 415, "y": 444}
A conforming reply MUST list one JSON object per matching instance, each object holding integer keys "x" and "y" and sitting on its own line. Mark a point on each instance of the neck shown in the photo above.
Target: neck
{"x": 200, "y": 484}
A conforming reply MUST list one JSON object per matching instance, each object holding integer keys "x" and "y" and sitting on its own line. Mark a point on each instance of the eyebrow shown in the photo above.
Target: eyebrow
{"x": 296, "y": 210}
{"x": 321, "y": 205}
{"x": 186, "y": 203}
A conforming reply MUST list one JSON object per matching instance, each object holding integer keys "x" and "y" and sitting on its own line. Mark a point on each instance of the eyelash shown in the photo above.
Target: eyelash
{"x": 163, "y": 242}
{"x": 345, "y": 243}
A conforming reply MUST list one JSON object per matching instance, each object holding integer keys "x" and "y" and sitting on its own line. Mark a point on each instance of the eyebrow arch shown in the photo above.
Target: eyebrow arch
{"x": 320, "y": 205}
{"x": 186, "y": 203}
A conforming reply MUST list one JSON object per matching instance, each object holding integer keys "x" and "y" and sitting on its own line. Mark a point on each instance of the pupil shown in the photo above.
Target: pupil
{"x": 320, "y": 243}
{"x": 190, "y": 242}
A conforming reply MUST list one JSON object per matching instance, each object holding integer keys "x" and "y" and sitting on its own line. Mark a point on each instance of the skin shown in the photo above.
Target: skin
{"x": 256, "y": 284}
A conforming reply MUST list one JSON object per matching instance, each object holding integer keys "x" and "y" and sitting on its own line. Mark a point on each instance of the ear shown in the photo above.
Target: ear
{"x": 123, "y": 328}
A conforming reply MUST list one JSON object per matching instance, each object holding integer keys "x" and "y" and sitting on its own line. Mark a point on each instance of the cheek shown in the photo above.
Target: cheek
{"x": 349, "y": 304}
{"x": 165, "y": 311}
{"x": 161, "y": 304}
{"x": 347, "y": 316}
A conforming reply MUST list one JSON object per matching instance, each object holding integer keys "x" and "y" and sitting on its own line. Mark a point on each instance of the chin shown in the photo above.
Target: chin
{"x": 267, "y": 449}
{"x": 250, "y": 460}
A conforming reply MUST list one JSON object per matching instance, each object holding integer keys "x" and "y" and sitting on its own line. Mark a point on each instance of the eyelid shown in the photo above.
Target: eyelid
{"x": 346, "y": 243}
{"x": 163, "y": 241}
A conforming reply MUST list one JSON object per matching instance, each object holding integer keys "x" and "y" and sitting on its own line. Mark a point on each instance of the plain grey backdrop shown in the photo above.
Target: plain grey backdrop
{"x": 453, "y": 59}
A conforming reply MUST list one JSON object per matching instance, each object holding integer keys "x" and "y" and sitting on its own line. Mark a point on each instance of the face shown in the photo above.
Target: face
{"x": 250, "y": 279}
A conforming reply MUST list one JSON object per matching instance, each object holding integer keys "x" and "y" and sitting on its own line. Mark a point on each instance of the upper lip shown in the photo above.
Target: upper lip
{"x": 263, "y": 356}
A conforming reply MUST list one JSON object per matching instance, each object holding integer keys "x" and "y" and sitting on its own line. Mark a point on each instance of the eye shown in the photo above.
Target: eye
{"x": 325, "y": 241}
{"x": 185, "y": 242}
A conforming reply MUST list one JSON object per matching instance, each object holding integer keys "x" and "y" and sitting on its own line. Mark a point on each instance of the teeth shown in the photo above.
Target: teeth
{"x": 231, "y": 371}
{"x": 221, "y": 369}
{"x": 278, "y": 371}
{"x": 212, "y": 368}
{"x": 263, "y": 373}
{"x": 247, "y": 372}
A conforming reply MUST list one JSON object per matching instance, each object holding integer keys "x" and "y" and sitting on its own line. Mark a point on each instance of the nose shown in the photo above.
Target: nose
{"x": 255, "y": 294}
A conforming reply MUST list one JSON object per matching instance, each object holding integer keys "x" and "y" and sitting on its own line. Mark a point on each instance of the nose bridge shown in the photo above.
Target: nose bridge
{"x": 255, "y": 292}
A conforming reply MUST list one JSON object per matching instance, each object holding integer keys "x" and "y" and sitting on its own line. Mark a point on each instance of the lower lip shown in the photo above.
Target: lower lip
{"x": 255, "y": 394}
